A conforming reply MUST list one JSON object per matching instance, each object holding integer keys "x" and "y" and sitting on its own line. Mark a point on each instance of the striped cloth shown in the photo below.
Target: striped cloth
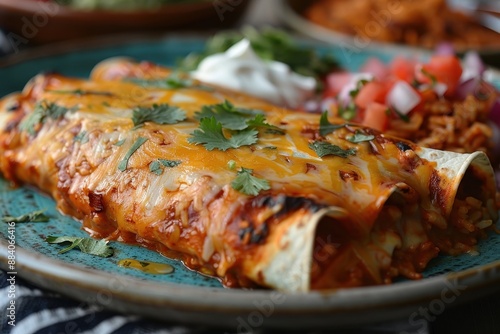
{"x": 43, "y": 312}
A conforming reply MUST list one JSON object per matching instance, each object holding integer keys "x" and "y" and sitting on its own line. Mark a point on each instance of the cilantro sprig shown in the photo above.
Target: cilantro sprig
{"x": 323, "y": 148}
{"x": 157, "y": 166}
{"x": 210, "y": 134}
{"x": 122, "y": 166}
{"x": 35, "y": 216}
{"x": 243, "y": 123}
{"x": 158, "y": 113}
{"x": 248, "y": 184}
{"x": 173, "y": 81}
{"x": 82, "y": 137}
{"x": 86, "y": 245}
{"x": 41, "y": 112}
{"x": 359, "y": 137}
{"x": 325, "y": 127}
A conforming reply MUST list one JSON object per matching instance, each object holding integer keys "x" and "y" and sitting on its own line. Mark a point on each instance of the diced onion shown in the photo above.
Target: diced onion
{"x": 403, "y": 97}
{"x": 473, "y": 66}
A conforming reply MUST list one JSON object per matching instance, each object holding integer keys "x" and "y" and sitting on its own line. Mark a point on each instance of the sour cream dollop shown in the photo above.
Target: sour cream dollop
{"x": 241, "y": 69}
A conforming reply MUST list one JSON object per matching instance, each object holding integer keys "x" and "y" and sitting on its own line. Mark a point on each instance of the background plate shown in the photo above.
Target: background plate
{"x": 188, "y": 296}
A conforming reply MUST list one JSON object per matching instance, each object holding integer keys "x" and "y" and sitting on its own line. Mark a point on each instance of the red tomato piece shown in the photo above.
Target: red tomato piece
{"x": 376, "y": 116}
{"x": 442, "y": 68}
{"x": 371, "y": 92}
{"x": 403, "y": 69}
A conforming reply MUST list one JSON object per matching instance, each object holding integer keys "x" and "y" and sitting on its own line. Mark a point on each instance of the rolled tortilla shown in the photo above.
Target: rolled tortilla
{"x": 325, "y": 222}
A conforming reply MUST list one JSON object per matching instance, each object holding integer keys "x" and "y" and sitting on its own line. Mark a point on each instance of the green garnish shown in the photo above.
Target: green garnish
{"x": 86, "y": 245}
{"x": 248, "y": 184}
{"x": 41, "y": 112}
{"x": 359, "y": 137}
{"x": 157, "y": 165}
{"x": 234, "y": 118}
{"x": 259, "y": 121}
{"x": 138, "y": 143}
{"x": 228, "y": 115}
{"x": 35, "y": 216}
{"x": 82, "y": 137}
{"x": 173, "y": 81}
{"x": 120, "y": 142}
{"x": 403, "y": 117}
{"x": 432, "y": 77}
{"x": 269, "y": 44}
{"x": 323, "y": 148}
{"x": 82, "y": 92}
{"x": 348, "y": 112}
{"x": 353, "y": 93}
{"x": 325, "y": 127}
{"x": 211, "y": 136}
{"x": 231, "y": 164}
{"x": 158, "y": 113}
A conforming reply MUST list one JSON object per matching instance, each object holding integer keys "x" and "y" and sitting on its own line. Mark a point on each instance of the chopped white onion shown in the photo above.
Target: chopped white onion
{"x": 403, "y": 97}
{"x": 473, "y": 66}
{"x": 344, "y": 96}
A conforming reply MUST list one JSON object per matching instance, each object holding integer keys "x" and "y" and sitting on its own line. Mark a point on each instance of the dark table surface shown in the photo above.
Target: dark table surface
{"x": 41, "y": 311}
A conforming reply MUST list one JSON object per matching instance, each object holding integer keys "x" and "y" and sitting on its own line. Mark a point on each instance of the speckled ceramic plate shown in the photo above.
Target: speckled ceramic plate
{"x": 188, "y": 296}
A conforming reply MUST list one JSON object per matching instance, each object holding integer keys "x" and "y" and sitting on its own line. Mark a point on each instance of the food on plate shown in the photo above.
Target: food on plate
{"x": 238, "y": 188}
{"x": 424, "y": 23}
{"x": 439, "y": 102}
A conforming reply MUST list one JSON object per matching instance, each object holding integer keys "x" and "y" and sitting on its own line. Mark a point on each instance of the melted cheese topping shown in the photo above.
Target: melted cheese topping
{"x": 192, "y": 208}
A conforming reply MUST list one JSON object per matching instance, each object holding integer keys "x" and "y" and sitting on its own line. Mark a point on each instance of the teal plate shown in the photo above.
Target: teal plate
{"x": 188, "y": 296}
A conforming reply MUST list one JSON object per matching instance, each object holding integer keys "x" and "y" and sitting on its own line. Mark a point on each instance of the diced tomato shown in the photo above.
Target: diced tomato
{"x": 335, "y": 82}
{"x": 403, "y": 69}
{"x": 443, "y": 68}
{"x": 371, "y": 92}
{"x": 375, "y": 67}
{"x": 376, "y": 116}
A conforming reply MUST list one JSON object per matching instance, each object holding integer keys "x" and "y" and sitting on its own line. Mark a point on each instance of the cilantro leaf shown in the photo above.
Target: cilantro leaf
{"x": 323, "y": 148}
{"x": 248, "y": 184}
{"x": 120, "y": 142}
{"x": 82, "y": 137}
{"x": 81, "y": 92}
{"x": 41, "y": 112}
{"x": 359, "y": 137}
{"x": 35, "y": 216}
{"x": 211, "y": 136}
{"x": 172, "y": 81}
{"x": 259, "y": 121}
{"x": 158, "y": 113}
{"x": 156, "y": 166}
{"x": 86, "y": 245}
{"x": 429, "y": 75}
{"x": 325, "y": 127}
{"x": 347, "y": 112}
{"x": 403, "y": 117}
{"x": 228, "y": 115}
{"x": 124, "y": 162}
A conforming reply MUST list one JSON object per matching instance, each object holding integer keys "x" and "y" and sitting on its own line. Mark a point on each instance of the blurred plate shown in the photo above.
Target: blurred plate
{"x": 39, "y": 22}
{"x": 188, "y": 296}
{"x": 291, "y": 14}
